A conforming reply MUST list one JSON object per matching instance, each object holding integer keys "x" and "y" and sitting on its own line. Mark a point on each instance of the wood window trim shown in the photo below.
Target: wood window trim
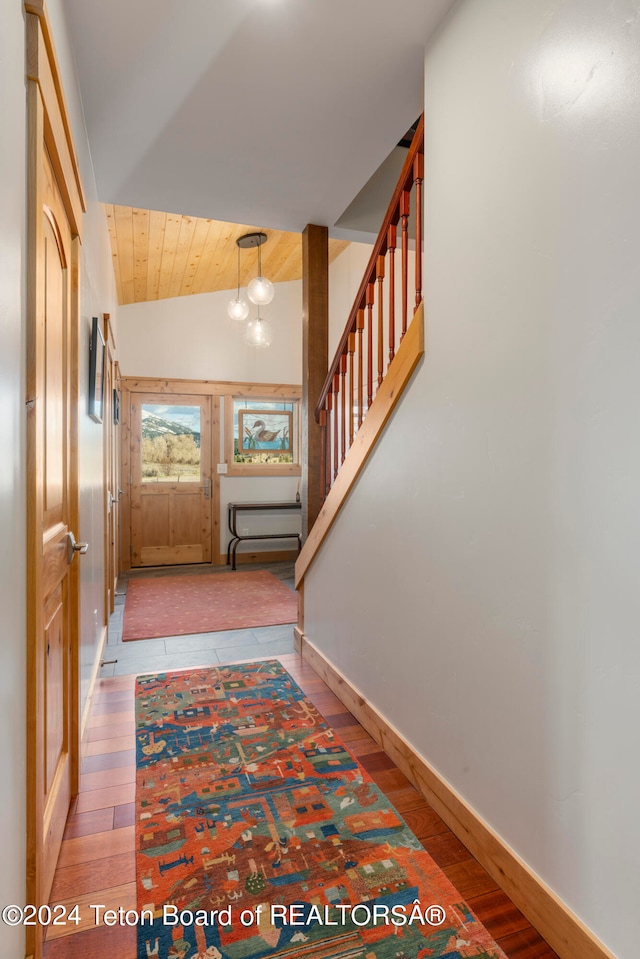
{"x": 228, "y": 390}
{"x": 169, "y": 385}
{"x": 285, "y": 394}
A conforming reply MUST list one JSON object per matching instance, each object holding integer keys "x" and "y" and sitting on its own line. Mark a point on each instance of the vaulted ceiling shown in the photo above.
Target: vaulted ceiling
{"x": 275, "y": 112}
{"x": 158, "y": 255}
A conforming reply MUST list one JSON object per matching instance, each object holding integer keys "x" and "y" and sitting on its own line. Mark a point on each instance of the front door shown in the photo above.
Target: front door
{"x": 171, "y": 471}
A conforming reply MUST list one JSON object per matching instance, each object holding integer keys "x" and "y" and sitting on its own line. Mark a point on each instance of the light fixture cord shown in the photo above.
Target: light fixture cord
{"x": 238, "y": 297}
{"x": 260, "y": 257}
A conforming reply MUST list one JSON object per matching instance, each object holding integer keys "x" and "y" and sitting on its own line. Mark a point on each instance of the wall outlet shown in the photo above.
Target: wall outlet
{"x": 222, "y": 467}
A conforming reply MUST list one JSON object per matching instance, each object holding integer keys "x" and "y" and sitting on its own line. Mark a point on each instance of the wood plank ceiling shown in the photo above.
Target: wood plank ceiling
{"x": 158, "y": 255}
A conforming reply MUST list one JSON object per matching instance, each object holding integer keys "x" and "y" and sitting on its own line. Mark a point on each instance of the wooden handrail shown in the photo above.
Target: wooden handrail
{"x": 395, "y": 210}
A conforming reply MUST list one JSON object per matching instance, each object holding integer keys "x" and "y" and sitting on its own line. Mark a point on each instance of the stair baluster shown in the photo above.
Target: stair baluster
{"x": 360, "y": 329}
{"x": 336, "y": 421}
{"x": 351, "y": 348}
{"x": 380, "y": 281}
{"x": 418, "y": 176}
{"x": 370, "y": 301}
{"x": 391, "y": 247}
{"x": 327, "y": 458}
{"x": 405, "y": 210}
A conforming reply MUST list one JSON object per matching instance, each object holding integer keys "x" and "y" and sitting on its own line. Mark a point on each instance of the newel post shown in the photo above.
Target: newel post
{"x": 315, "y": 362}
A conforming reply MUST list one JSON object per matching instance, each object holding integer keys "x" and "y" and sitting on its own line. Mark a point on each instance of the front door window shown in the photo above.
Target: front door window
{"x": 171, "y": 443}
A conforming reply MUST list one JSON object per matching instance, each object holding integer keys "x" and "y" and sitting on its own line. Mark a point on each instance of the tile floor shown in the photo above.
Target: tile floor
{"x": 198, "y": 649}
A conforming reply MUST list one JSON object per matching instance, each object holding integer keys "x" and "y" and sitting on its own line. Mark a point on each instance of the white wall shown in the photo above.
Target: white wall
{"x": 345, "y": 277}
{"x": 12, "y": 468}
{"x": 97, "y": 296}
{"x": 191, "y": 337}
{"x": 246, "y": 489}
{"x": 483, "y": 576}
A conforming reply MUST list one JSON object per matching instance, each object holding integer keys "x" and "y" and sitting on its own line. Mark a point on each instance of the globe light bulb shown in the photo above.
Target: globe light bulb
{"x": 260, "y": 291}
{"x": 238, "y": 309}
{"x": 258, "y": 333}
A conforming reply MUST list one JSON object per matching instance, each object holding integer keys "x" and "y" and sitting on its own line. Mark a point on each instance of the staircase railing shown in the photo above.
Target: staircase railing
{"x": 378, "y": 319}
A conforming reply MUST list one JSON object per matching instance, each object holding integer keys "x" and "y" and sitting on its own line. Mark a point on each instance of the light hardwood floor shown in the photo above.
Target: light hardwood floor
{"x": 97, "y": 861}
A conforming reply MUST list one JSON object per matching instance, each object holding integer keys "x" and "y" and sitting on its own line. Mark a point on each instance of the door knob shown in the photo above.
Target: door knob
{"x": 73, "y": 547}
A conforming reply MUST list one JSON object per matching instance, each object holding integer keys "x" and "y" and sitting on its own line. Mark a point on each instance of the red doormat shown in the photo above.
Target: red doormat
{"x": 206, "y": 603}
{"x": 258, "y": 834}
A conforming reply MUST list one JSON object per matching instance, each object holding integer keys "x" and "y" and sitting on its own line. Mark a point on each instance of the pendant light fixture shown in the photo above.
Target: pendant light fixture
{"x": 260, "y": 290}
{"x": 258, "y": 332}
{"x": 238, "y": 309}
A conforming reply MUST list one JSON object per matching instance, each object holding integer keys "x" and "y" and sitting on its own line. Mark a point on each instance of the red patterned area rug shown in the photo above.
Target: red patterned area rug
{"x": 259, "y": 835}
{"x": 205, "y": 603}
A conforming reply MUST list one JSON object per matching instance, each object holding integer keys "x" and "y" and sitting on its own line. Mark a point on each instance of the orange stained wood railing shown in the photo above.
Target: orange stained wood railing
{"x": 362, "y": 361}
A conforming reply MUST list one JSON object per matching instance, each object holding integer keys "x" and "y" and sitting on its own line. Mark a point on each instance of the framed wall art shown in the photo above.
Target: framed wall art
{"x": 265, "y": 430}
{"x": 96, "y": 371}
{"x": 262, "y": 430}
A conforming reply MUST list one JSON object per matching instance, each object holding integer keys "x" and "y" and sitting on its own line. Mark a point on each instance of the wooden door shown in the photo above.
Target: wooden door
{"x": 111, "y": 467}
{"x": 55, "y": 644}
{"x": 171, "y": 472}
{"x": 52, "y": 585}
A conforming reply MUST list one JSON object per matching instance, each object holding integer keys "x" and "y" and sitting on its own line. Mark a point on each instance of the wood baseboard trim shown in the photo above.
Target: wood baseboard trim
{"x": 92, "y": 683}
{"x": 555, "y": 922}
{"x": 298, "y": 638}
{"x": 268, "y": 556}
{"x": 398, "y": 375}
